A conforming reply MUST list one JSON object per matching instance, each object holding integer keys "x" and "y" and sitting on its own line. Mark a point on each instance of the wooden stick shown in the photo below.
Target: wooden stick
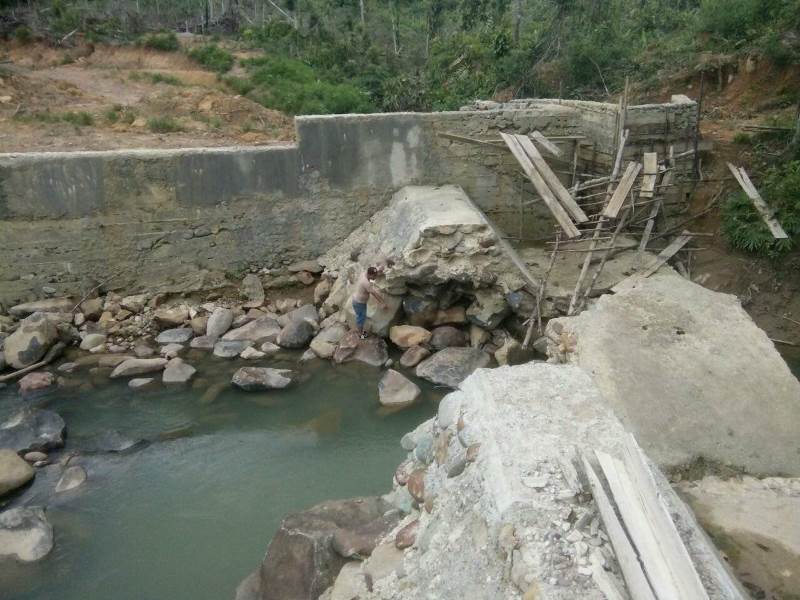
{"x": 538, "y": 311}
{"x": 622, "y": 191}
{"x": 792, "y": 320}
{"x": 51, "y": 355}
{"x": 784, "y": 342}
{"x": 655, "y": 265}
{"x": 602, "y": 264}
{"x": 546, "y": 144}
{"x": 763, "y": 209}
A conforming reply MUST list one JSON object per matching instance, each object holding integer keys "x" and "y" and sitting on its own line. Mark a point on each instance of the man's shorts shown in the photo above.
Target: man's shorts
{"x": 360, "y": 308}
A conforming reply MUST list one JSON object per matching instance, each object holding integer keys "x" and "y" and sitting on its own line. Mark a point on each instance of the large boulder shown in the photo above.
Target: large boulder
{"x": 397, "y": 391}
{"x": 173, "y": 316}
{"x": 420, "y": 311}
{"x": 138, "y": 366}
{"x": 371, "y": 351}
{"x": 307, "y": 312}
{"x": 253, "y": 290}
{"x": 325, "y": 342}
{"x": 33, "y": 429}
{"x": 178, "y": 371}
{"x": 405, "y": 336}
{"x": 14, "y": 472}
{"x": 296, "y": 334}
{"x": 448, "y": 336}
{"x": 451, "y": 366}
{"x": 49, "y": 305}
{"x": 25, "y": 534}
{"x": 689, "y": 373}
{"x": 302, "y": 559}
{"x": 92, "y": 340}
{"x": 230, "y": 348}
{"x": 379, "y": 319}
{"x": 179, "y": 335}
{"x": 263, "y": 329}
{"x": 30, "y": 342}
{"x": 253, "y": 379}
{"x": 219, "y": 322}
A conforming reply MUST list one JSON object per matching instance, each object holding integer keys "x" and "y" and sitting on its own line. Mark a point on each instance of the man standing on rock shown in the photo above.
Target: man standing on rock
{"x": 365, "y": 289}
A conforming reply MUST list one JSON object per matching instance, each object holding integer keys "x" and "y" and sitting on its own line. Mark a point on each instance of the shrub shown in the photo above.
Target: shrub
{"x": 743, "y": 139}
{"x": 213, "y": 58}
{"x": 79, "y": 119}
{"x": 165, "y": 41}
{"x": 23, "y": 34}
{"x": 163, "y": 125}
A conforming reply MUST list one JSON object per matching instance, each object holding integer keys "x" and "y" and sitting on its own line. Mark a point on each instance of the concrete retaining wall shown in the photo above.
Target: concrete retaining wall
{"x": 182, "y": 219}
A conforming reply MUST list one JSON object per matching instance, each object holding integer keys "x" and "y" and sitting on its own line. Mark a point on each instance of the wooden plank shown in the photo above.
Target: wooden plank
{"x": 629, "y": 564}
{"x": 551, "y": 148}
{"x": 561, "y": 193}
{"x": 659, "y": 261}
{"x": 555, "y": 207}
{"x": 650, "y": 174}
{"x": 674, "y": 553}
{"x": 767, "y": 214}
{"x": 623, "y": 189}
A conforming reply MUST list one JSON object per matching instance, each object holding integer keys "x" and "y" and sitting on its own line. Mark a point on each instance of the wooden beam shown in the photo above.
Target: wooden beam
{"x": 555, "y": 207}
{"x": 650, "y": 175}
{"x": 658, "y": 262}
{"x": 767, "y": 214}
{"x": 551, "y": 148}
{"x": 561, "y": 193}
{"x": 622, "y": 191}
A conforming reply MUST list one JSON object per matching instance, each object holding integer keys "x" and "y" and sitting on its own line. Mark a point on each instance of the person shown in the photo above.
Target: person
{"x": 365, "y": 289}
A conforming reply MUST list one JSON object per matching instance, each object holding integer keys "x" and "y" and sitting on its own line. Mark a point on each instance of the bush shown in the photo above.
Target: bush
{"x": 743, "y": 226}
{"x": 213, "y": 58}
{"x": 23, "y": 34}
{"x": 155, "y": 78}
{"x": 743, "y": 139}
{"x": 163, "y": 125}
{"x": 79, "y": 119}
{"x": 165, "y": 41}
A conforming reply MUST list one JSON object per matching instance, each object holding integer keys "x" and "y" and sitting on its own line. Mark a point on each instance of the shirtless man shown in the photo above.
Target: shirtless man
{"x": 365, "y": 289}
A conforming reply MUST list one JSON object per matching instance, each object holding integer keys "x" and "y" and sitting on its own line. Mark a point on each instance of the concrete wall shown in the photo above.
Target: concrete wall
{"x": 181, "y": 219}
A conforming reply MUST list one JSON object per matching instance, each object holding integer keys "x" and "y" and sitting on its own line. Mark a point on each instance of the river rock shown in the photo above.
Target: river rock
{"x": 32, "y": 429}
{"x": 251, "y": 353}
{"x": 219, "y": 322}
{"x": 488, "y": 309}
{"x": 140, "y": 382}
{"x": 29, "y": 343}
{"x": 265, "y": 329}
{"x": 179, "y": 335}
{"x": 14, "y": 471}
{"x": 512, "y": 353}
{"x": 25, "y": 534}
{"x": 296, "y": 334}
{"x": 253, "y": 379}
{"x": 386, "y": 559}
{"x": 171, "y": 350}
{"x": 38, "y": 380}
{"x": 203, "y": 342}
{"x": 199, "y": 324}
{"x": 230, "y": 348}
{"x": 143, "y": 350}
{"x": 325, "y": 342}
{"x": 253, "y": 290}
{"x": 413, "y": 356}
{"x": 420, "y": 311}
{"x": 312, "y": 266}
{"x": 321, "y": 291}
{"x": 178, "y": 371}
{"x": 405, "y": 336}
{"x": 371, "y": 351}
{"x": 74, "y": 476}
{"x": 92, "y": 308}
{"x": 406, "y": 537}
{"x": 521, "y": 303}
{"x": 379, "y": 319}
{"x": 452, "y": 365}
{"x": 307, "y": 312}
{"x": 301, "y": 562}
{"x": 92, "y": 340}
{"x": 50, "y": 305}
{"x": 447, "y": 336}
{"x": 171, "y": 317}
{"x": 478, "y": 336}
{"x": 134, "y": 304}
{"x": 269, "y": 348}
{"x": 397, "y": 391}
{"x": 454, "y": 315}
{"x": 138, "y": 366}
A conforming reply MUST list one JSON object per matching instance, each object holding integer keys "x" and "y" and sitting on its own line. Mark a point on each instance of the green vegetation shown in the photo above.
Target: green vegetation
{"x": 165, "y": 41}
{"x": 79, "y": 119}
{"x": 120, "y": 114}
{"x": 163, "y": 125}
{"x": 213, "y": 58}
{"x": 154, "y": 77}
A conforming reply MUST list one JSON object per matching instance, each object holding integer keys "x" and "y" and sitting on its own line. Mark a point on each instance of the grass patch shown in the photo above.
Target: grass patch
{"x": 163, "y": 125}
{"x": 166, "y": 41}
{"x": 213, "y": 58}
{"x": 78, "y": 119}
{"x": 120, "y": 114}
{"x": 155, "y": 78}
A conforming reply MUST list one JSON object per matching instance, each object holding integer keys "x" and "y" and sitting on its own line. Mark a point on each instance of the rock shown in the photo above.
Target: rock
{"x": 180, "y": 335}
{"x": 253, "y": 290}
{"x": 385, "y": 560}
{"x": 307, "y": 312}
{"x": 134, "y": 304}
{"x": 405, "y": 336}
{"x": 311, "y": 266}
{"x": 452, "y": 365}
{"x": 138, "y": 366}
{"x": 92, "y": 308}
{"x": 284, "y": 305}
{"x": 512, "y": 353}
{"x": 360, "y": 540}
{"x": 171, "y": 317}
{"x": 230, "y": 348}
{"x": 416, "y": 485}
{"x": 448, "y": 337}
{"x": 397, "y": 391}
{"x": 325, "y": 342}
{"x": 448, "y": 411}
{"x": 122, "y": 315}
{"x": 74, "y": 476}
{"x": 143, "y": 350}
{"x": 25, "y": 534}
{"x": 406, "y": 537}
{"x": 198, "y": 325}
{"x": 455, "y": 315}
{"x": 321, "y": 291}
{"x": 30, "y": 342}
{"x": 478, "y": 336}
{"x": 379, "y": 319}
{"x": 38, "y": 380}
{"x": 253, "y": 379}
{"x": 14, "y": 471}
{"x": 203, "y": 342}
{"x": 420, "y": 312}
{"x": 488, "y": 309}
{"x": 265, "y": 329}
{"x": 269, "y": 348}
{"x": 413, "y": 356}
{"x": 521, "y": 303}
{"x": 296, "y": 334}
{"x": 540, "y": 345}
{"x": 219, "y": 322}
{"x": 2, "y": 360}
{"x": 301, "y": 562}
{"x": 371, "y": 351}
{"x": 92, "y": 340}
{"x": 350, "y": 584}
{"x": 140, "y": 382}
{"x": 251, "y": 353}
{"x": 34, "y": 457}
{"x": 112, "y": 441}
{"x": 305, "y": 278}
{"x": 50, "y": 305}
{"x": 32, "y": 429}
{"x": 178, "y": 371}
{"x": 171, "y": 350}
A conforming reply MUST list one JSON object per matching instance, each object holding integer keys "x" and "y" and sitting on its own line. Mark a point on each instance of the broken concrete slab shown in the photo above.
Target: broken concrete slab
{"x": 689, "y": 373}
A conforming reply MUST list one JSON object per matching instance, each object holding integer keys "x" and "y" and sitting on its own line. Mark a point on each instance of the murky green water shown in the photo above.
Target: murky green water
{"x": 190, "y": 517}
